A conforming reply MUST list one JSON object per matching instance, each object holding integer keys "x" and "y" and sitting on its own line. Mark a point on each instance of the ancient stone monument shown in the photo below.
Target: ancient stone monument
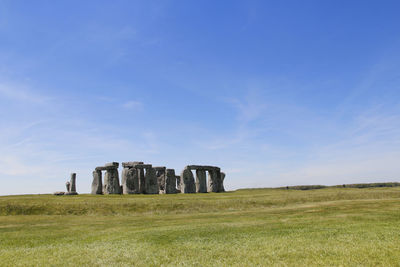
{"x": 140, "y": 178}
{"x": 70, "y": 186}
{"x": 201, "y": 181}
{"x": 215, "y": 178}
{"x": 187, "y": 181}
{"x": 170, "y": 182}
{"x": 130, "y": 181}
{"x": 133, "y": 179}
{"x": 111, "y": 179}
{"x": 160, "y": 174}
{"x": 97, "y": 184}
{"x": 73, "y": 183}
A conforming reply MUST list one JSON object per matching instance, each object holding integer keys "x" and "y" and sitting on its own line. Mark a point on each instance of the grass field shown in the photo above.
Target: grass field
{"x": 332, "y": 226}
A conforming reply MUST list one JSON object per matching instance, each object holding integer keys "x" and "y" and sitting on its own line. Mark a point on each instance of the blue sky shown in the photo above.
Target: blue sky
{"x": 274, "y": 92}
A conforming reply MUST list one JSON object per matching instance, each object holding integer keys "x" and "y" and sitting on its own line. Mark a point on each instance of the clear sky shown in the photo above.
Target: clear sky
{"x": 276, "y": 93}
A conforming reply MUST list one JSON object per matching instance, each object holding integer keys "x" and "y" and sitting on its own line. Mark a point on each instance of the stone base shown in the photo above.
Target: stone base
{"x": 71, "y": 193}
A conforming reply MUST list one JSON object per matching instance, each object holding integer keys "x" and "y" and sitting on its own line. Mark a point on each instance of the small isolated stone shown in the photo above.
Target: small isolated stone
{"x": 59, "y": 193}
{"x": 68, "y": 186}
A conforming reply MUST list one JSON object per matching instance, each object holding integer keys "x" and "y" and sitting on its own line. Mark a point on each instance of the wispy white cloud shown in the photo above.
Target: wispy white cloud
{"x": 22, "y": 94}
{"x": 364, "y": 151}
{"x": 133, "y": 105}
{"x": 250, "y": 107}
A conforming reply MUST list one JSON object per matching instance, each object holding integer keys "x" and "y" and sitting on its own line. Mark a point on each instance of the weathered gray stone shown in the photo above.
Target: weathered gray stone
{"x": 160, "y": 173}
{"x": 59, "y": 193}
{"x": 68, "y": 186}
{"x": 187, "y": 182}
{"x": 202, "y": 167}
{"x": 151, "y": 184}
{"x": 108, "y": 166}
{"x": 170, "y": 182}
{"x": 160, "y": 168}
{"x": 201, "y": 181}
{"x": 112, "y": 164}
{"x": 142, "y": 166}
{"x": 178, "y": 183}
{"x": 105, "y": 168}
{"x": 212, "y": 181}
{"x": 130, "y": 181}
{"x": 124, "y": 177}
{"x": 73, "y": 183}
{"x": 97, "y": 184}
{"x": 142, "y": 181}
{"x": 131, "y": 164}
{"x": 221, "y": 187}
{"x": 111, "y": 182}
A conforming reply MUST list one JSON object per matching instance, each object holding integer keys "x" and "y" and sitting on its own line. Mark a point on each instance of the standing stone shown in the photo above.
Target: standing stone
{"x": 111, "y": 182}
{"x": 142, "y": 181}
{"x": 97, "y": 185}
{"x": 151, "y": 184}
{"x": 124, "y": 177}
{"x": 117, "y": 187}
{"x": 201, "y": 183}
{"x": 212, "y": 180}
{"x": 130, "y": 181}
{"x": 170, "y": 182}
{"x": 73, "y": 183}
{"x": 160, "y": 173}
{"x": 68, "y": 186}
{"x": 221, "y": 184}
{"x": 187, "y": 182}
{"x": 178, "y": 183}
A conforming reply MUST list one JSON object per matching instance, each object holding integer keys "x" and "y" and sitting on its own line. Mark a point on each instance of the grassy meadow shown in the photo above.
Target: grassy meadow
{"x": 257, "y": 227}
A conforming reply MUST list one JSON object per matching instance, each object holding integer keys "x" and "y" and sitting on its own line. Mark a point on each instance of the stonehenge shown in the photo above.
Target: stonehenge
{"x": 140, "y": 178}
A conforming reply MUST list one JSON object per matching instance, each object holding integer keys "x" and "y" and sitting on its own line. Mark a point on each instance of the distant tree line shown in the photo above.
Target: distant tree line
{"x": 364, "y": 185}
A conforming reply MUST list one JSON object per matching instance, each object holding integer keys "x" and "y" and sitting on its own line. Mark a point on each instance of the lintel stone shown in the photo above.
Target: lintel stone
{"x": 112, "y": 164}
{"x": 130, "y": 164}
{"x": 202, "y": 167}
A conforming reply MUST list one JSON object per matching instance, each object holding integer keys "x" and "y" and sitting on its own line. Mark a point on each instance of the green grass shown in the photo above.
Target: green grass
{"x": 331, "y": 226}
